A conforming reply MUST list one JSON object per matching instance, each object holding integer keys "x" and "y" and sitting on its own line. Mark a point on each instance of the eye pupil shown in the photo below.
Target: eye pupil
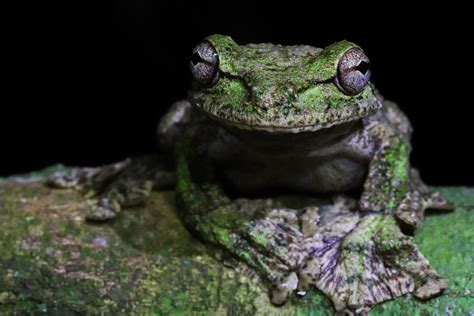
{"x": 196, "y": 58}
{"x": 363, "y": 67}
{"x": 204, "y": 64}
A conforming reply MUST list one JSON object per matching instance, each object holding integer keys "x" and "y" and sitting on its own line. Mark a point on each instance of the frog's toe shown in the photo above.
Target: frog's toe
{"x": 432, "y": 287}
{"x": 101, "y": 209}
{"x": 411, "y": 210}
{"x": 283, "y": 290}
{"x": 437, "y": 201}
{"x": 308, "y": 275}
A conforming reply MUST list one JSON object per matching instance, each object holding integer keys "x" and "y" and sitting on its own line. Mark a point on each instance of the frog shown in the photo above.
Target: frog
{"x": 268, "y": 119}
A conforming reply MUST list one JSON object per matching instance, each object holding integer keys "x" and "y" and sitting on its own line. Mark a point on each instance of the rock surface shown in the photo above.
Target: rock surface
{"x": 53, "y": 261}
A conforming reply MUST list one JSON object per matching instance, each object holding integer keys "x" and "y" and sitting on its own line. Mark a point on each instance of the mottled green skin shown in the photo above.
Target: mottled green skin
{"x": 293, "y": 89}
{"x": 144, "y": 273}
{"x": 263, "y": 94}
{"x": 275, "y": 87}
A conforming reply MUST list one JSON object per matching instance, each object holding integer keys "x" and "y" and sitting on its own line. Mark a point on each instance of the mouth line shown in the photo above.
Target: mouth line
{"x": 365, "y": 111}
{"x": 292, "y": 129}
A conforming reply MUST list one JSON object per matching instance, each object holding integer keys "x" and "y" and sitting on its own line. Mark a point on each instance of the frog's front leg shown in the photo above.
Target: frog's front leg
{"x": 364, "y": 258}
{"x": 393, "y": 186}
{"x": 249, "y": 230}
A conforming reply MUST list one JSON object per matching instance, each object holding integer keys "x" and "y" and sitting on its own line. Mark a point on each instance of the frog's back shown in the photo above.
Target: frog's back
{"x": 271, "y": 57}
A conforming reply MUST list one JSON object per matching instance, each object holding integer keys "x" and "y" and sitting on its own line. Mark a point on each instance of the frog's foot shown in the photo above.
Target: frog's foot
{"x": 268, "y": 244}
{"x": 119, "y": 194}
{"x": 359, "y": 261}
{"x": 411, "y": 210}
{"x": 110, "y": 188}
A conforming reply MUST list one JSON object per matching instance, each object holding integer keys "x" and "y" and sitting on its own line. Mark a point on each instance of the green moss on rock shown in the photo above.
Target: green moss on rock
{"x": 145, "y": 262}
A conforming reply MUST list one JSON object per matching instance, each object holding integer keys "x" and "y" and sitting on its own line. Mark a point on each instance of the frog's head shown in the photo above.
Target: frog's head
{"x": 281, "y": 88}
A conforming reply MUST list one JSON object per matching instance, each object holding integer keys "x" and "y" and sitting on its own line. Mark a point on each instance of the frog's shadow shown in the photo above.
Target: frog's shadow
{"x": 154, "y": 227}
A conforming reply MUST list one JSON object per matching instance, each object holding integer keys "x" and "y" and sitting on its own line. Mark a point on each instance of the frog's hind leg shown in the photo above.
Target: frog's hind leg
{"x": 110, "y": 188}
{"x": 419, "y": 198}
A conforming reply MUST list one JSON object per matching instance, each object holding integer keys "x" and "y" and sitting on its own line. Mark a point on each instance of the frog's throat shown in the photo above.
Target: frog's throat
{"x": 307, "y": 122}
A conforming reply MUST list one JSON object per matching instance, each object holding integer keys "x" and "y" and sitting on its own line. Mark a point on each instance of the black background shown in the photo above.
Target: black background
{"x": 85, "y": 83}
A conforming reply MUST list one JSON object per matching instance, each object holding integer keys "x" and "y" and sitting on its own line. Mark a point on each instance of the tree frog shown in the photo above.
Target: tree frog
{"x": 270, "y": 119}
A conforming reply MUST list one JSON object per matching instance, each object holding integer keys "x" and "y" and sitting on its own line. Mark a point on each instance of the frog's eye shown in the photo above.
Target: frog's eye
{"x": 204, "y": 64}
{"x": 353, "y": 71}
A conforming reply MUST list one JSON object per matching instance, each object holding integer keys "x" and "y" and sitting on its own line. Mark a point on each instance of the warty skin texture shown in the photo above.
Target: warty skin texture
{"x": 265, "y": 118}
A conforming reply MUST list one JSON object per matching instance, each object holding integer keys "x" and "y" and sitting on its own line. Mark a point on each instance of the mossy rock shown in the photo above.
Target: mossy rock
{"x": 145, "y": 262}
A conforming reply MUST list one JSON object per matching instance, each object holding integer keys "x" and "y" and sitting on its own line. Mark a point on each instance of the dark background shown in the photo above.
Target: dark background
{"x": 85, "y": 83}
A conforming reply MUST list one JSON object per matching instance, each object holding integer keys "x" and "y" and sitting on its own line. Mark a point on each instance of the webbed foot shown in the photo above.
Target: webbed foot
{"x": 359, "y": 260}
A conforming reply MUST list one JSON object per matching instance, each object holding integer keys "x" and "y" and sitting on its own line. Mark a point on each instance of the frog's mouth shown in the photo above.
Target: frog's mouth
{"x": 309, "y": 120}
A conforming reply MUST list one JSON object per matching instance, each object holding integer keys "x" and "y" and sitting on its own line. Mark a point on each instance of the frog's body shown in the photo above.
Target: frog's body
{"x": 310, "y": 162}
{"x": 268, "y": 118}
